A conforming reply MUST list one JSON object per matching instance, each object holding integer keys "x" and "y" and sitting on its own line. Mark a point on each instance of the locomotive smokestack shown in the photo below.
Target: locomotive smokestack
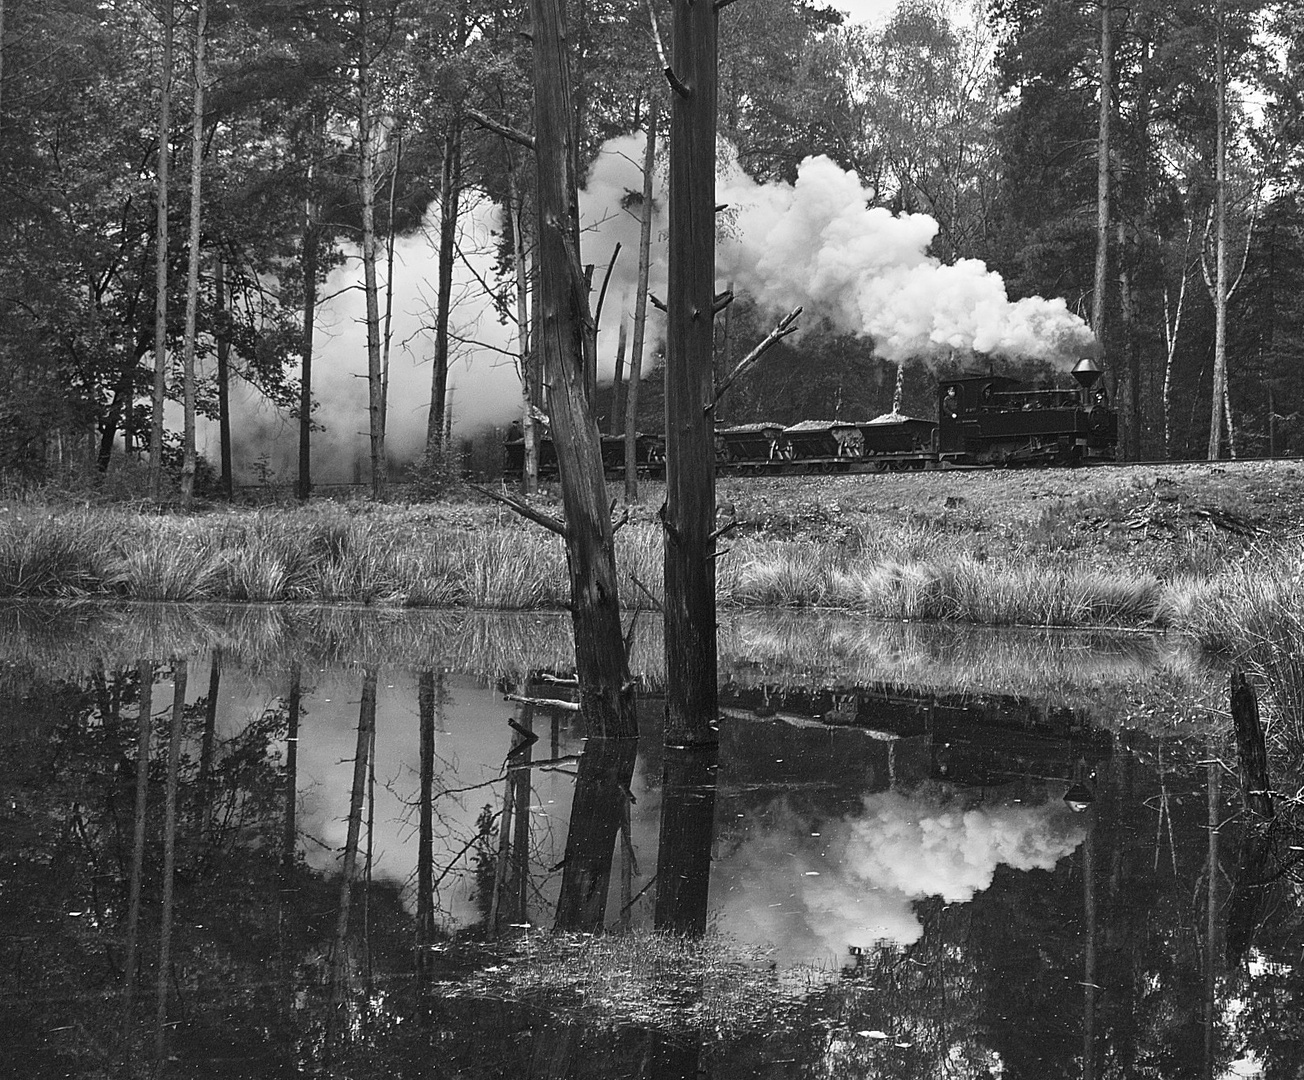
{"x": 1087, "y": 373}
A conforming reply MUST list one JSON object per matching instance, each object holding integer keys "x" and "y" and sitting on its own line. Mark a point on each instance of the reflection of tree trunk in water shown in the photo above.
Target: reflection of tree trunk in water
{"x": 1089, "y": 952}
{"x": 505, "y": 884}
{"x": 137, "y": 852}
{"x": 687, "y": 828}
{"x": 682, "y": 883}
{"x": 290, "y": 835}
{"x": 1214, "y": 789}
{"x": 204, "y": 781}
{"x": 1258, "y": 872}
{"x": 425, "y": 928}
{"x": 520, "y": 864}
{"x": 371, "y": 854}
{"x": 169, "y": 859}
{"x": 339, "y": 952}
{"x": 290, "y": 830}
{"x": 601, "y": 791}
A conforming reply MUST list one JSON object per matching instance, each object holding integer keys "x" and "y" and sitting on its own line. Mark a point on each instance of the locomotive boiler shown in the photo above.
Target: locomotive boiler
{"x": 982, "y": 421}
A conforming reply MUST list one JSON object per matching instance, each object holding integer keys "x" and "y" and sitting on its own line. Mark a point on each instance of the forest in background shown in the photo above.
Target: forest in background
{"x": 327, "y": 135}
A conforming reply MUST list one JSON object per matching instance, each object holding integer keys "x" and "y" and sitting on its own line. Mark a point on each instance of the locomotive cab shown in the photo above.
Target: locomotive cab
{"x": 997, "y": 420}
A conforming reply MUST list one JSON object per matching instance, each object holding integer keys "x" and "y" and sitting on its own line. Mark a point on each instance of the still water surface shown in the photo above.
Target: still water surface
{"x": 917, "y": 853}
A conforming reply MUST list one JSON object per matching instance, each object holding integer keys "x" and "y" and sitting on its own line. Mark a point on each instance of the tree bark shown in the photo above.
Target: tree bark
{"x": 188, "y": 452}
{"x": 161, "y": 261}
{"x": 689, "y": 515}
{"x": 566, "y": 343}
{"x": 640, "y": 304}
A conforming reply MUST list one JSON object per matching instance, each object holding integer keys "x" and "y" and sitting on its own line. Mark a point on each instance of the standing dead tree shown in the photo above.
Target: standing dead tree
{"x": 566, "y": 341}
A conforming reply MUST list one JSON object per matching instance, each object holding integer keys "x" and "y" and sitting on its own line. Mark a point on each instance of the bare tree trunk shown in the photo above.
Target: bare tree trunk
{"x": 161, "y": 260}
{"x": 1099, "y": 302}
{"x": 389, "y": 284}
{"x": 188, "y": 459}
{"x": 1220, "y": 233}
{"x": 566, "y": 343}
{"x": 640, "y": 305}
{"x": 367, "y": 197}
{"x": 614, "y": 425}
{"x": 223, "y": 380}
{"x": 689, "y": 515}
{"x": 169, "y": 861}
{"x": 309, "y": 262}
{"x": 130, "y": 961}
{"x": 524, "y": 339}
{"x": 1172, "y": 326}
{"x": 450, "y": 193}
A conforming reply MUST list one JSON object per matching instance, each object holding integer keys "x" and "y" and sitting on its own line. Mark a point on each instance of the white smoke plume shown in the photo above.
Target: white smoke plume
{"x": 484, "y": 388}
{"x": 854, "y": 881}
{"x": 817, "y": 243}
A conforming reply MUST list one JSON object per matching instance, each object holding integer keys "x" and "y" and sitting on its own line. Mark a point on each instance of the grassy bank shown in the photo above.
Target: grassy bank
{"x": 1186, "y": 550}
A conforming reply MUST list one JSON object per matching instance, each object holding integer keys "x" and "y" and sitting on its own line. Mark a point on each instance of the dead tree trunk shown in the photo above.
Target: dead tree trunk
{"x": 689, "y": 514}
{"x": 566, "y": 339}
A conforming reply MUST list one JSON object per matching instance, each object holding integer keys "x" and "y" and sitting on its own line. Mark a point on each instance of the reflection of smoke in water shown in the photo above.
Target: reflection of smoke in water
{"x": 856, "y": 882}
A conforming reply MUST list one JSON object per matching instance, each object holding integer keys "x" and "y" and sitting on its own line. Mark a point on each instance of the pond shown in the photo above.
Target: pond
{"x": 350, "y": 843}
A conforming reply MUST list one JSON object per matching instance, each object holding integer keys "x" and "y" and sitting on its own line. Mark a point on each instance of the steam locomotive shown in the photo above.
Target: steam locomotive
{"x": 982, "y": 420}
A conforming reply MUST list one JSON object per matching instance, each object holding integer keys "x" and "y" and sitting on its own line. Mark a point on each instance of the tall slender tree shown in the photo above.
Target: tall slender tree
{"x": 188, "y": 460}
{"x": 161, "y": 254}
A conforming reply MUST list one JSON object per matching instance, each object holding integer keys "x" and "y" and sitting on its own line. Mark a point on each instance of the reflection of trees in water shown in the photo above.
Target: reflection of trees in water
{"x": 252, "y": 933}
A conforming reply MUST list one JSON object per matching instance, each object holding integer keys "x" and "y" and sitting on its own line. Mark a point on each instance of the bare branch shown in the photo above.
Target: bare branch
{"x": 656, "y": 604}
{"x": 673, "y": 79}
{"x": 505, "y": 130}
{"x": 606, "y": 280}
{"x": 782, "y": 330}
{"x": 723, "y": 300}
{"x": 523, "y": 508}
{"x": 657, "y": 302}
